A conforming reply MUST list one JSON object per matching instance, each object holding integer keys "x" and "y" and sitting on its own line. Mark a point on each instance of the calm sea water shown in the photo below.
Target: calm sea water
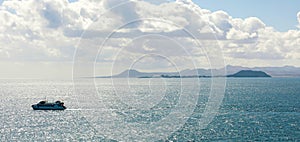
{"x": 253, "y": 109}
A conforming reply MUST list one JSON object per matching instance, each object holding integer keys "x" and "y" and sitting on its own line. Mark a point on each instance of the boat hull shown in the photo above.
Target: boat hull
{"x": 38, "y": 107}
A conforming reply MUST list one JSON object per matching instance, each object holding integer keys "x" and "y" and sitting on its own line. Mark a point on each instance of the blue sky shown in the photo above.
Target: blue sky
{"x": 282, "y": 15}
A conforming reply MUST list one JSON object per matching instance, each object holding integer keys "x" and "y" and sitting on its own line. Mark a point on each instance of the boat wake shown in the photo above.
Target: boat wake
{"x": 74, "y": 109}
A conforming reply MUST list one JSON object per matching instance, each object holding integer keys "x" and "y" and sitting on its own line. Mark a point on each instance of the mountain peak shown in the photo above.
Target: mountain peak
{"x": 129, "y": 73}
{"x": 131, "y": 70}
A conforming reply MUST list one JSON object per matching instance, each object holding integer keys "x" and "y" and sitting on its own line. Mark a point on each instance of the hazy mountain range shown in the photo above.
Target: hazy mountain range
{"x": 286, "y": 71}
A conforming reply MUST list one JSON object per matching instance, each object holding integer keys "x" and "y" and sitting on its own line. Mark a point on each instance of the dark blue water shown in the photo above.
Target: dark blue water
{"x": 253, "y": 109}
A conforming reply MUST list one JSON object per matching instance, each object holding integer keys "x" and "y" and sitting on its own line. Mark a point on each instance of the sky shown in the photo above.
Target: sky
{"x": 279, "y": 14}
{"x": 57, "y": 38}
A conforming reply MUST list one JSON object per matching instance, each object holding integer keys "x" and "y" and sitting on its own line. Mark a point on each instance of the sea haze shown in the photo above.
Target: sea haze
{"x": 261, "y": 109}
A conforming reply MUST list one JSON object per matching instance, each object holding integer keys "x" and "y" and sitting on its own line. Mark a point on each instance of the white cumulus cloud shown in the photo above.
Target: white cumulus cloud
{"x": 49, "y": 30}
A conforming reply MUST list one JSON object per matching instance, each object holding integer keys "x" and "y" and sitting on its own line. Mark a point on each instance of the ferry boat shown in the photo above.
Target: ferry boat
{"x": 44, "y": 105}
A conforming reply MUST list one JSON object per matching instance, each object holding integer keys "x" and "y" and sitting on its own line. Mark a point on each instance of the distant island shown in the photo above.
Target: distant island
{"x": 231, "y": 71}
{"x": 249, "y": 73}
{"x": 136, "y": 74}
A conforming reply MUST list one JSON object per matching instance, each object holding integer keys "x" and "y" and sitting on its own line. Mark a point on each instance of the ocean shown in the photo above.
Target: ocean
{"x": 152, "y": 109}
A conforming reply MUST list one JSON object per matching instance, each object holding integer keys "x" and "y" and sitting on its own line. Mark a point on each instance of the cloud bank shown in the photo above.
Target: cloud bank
{"x": 50, "y": 30}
